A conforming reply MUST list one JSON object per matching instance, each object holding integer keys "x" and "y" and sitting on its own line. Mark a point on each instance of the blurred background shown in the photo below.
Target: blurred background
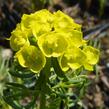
{"x": 93, "y": 15}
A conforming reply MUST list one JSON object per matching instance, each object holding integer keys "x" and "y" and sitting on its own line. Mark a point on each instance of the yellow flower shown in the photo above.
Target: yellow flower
{"x": 62, "y": 21}
{"x": 52, "y": 44}
{"x": 72, "y": 58}
{"x": 18, "y": 38}
{"x": 38, "y": 23}
{"x": 92, "y": 57}
{"x": 31, "y": 57}
{"x": 43, "y": 34}
{"x": 44, "y": 16}
{"x": 39, "y": 28}
{"x": 74, "y": 37}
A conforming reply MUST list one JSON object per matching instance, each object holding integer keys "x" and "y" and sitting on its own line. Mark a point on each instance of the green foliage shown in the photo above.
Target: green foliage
{"x": 51, "y": 88}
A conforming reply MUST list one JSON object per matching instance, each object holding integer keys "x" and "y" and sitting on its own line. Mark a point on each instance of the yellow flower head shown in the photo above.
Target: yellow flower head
{"x": 38, "y": 22}
{"x": 31, "y": 57}
{"x": 43, "y": 34}
{"x": 63, "y": 21}
{"x": 72, "y": 58}
{"x": 92, "y": 57}
{"x": 52, "y": 44}
{"x": 18, "y": 38}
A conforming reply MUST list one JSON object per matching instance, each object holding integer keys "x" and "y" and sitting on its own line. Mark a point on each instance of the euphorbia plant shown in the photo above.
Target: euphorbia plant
{"x": 50, "y": 48}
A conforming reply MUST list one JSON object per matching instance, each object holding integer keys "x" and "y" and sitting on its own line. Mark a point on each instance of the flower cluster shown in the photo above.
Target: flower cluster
{"x": 42, "y": 35}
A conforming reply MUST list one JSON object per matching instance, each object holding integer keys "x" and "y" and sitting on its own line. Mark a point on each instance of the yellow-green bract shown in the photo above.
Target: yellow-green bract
{"x": 42, "y": 35}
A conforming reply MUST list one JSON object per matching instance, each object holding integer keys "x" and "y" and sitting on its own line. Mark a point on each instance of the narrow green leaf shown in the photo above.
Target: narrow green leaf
{"x": 15, "y": 72}
{"x": 54, "y": 104}
{"x": 10, "y": 101}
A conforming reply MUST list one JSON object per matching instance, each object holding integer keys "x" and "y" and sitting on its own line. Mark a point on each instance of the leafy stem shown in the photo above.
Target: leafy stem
{"x": 44, "y": 76}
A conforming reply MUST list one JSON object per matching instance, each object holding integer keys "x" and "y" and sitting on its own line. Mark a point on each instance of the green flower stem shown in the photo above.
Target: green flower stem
{"x": 44, "y": 76}
{"x": 42, "y": 100}
{"x": 42, "y": 90}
